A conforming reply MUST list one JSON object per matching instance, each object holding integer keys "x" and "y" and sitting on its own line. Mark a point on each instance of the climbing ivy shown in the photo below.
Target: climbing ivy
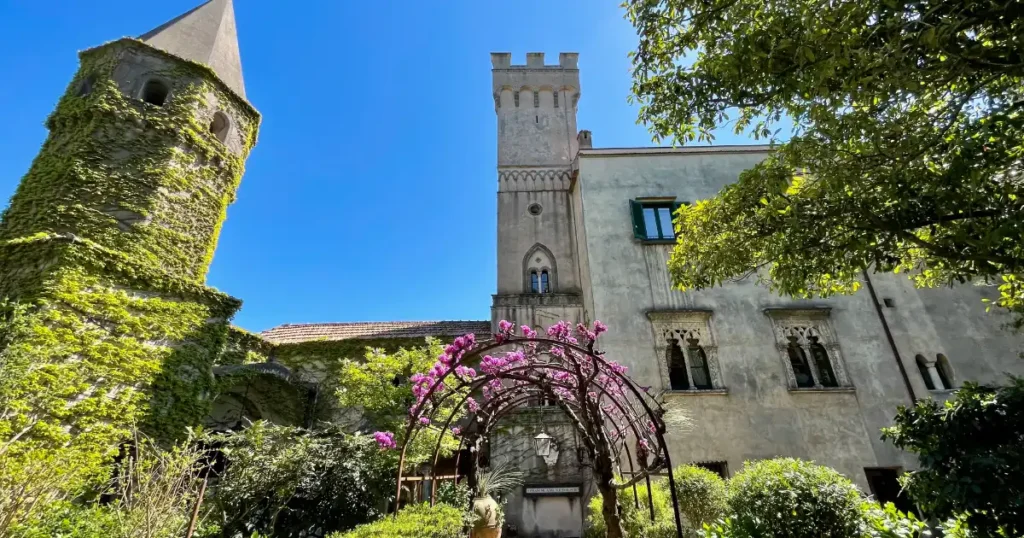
{"x": 106, "y": 322}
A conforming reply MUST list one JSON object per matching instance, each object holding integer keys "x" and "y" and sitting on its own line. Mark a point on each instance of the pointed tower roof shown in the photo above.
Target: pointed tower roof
{"x": 206, "y": 35}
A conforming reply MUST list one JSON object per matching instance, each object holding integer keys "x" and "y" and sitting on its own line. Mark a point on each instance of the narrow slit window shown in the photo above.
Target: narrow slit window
{"x": 556, "y": 98}
{"x": 801, "y": 368}
{"x": 534, "y": 282}
{"x": 544, "y": 282}
{"x": 678, "y": 380}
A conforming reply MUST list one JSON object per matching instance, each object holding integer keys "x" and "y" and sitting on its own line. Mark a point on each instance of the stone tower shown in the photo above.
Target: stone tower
{"x": 106, "y": 242}
{"x": 538, "y": 274}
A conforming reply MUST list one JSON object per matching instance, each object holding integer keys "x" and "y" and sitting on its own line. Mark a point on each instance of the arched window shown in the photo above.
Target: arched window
{"x": 821, "y": 360}
{"x": 945, "y": 371}
{"x": 155, "y": 92}
{"x": 801, "y": 369}
{"x": 540, "y": 275}
{"x": 699, "y": 365}
{"x": 220, "y": 126}
{"x": 922, "y": 366}
{"x": 677, "y": 377}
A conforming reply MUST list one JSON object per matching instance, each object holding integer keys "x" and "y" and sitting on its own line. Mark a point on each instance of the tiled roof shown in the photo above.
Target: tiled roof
{"x": 290, "y": 333}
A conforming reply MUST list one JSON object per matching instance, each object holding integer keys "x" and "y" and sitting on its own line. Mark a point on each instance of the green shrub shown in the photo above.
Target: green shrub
{"x": 637, "y": 521}
{"x": 419, "y": 521}
{"x": 452, "y": 494}
{"x": 787, "y": 497}
{"x": 888, "y": 522}
{"x": 701, "y": 494}
{"x": 290, "y": 482}
{"x": 971, "y": 451}
{"x": 67, "y": 520}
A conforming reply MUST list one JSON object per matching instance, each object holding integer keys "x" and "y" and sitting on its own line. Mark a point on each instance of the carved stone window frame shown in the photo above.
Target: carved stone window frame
{"x": 804, "y": 323}
{"x": 682, "y": 325}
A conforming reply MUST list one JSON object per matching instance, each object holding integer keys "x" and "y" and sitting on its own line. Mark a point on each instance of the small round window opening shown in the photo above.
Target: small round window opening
{"x": 220, "y": 126}
{"x": 155, "y": 92}
{"x": 535, "y": 209}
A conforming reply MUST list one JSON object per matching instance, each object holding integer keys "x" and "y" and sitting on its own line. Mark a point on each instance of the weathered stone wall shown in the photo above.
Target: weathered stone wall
{"x": 760, "y": 414}
{"x": 535, "y": 106}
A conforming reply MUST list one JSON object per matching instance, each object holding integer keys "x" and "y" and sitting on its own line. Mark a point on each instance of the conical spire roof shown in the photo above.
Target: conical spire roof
{"x": 206, "y": 35}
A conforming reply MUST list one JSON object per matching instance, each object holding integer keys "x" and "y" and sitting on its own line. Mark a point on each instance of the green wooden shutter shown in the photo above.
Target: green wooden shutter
{"x": 637, "y": 210}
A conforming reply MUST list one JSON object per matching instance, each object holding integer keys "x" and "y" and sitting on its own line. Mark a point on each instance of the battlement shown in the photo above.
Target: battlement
{"x": 535, "y": 85}
{"x": 534, "y": 60}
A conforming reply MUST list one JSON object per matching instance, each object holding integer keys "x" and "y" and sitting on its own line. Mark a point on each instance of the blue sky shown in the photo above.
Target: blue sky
{"x": 371, "y": 193}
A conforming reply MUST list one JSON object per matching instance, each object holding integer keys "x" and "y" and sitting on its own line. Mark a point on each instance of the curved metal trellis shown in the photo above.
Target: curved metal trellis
{"x": 577, "y": 378}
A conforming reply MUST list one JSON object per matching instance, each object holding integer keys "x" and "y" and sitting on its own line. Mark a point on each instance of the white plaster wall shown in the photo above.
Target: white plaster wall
{"x": 759, "y": 417}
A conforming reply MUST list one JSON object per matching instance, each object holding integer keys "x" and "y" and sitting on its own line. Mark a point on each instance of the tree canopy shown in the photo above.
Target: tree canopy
{"x": 972, "y": 457}
{"x": 905, "y": 149}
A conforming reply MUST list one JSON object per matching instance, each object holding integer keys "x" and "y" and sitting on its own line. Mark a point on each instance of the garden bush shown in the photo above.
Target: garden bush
{"x": 452, "y": 494}
{"x": 790, "y": 498}
{"x": 971, "y": 451}
{"x": 637, "y": 521}
{"x": 702, "y": 496}
{"x": 292, "y": 482}
{"x": 419, "y": 521}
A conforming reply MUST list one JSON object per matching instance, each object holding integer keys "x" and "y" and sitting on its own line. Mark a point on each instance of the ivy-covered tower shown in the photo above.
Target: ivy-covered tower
{"x": 106, "y": 242}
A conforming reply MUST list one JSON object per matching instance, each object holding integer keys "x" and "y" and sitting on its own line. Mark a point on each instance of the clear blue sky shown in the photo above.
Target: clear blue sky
{"x": 371, "y": 193}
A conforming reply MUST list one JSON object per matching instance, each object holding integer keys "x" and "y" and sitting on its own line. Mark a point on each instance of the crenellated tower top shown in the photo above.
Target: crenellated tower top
{"x": 536, "y": 108}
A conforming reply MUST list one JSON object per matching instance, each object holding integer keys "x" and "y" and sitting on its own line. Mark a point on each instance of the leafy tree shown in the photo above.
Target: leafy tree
{"x": 907, "y": 142}
{"x": 379, "y": 387}
{"x": 291, "y": 482}
{"x": 971, "y": 451}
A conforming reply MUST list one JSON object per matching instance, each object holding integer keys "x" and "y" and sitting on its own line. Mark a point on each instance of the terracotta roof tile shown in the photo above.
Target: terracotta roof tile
{"x": 291, "y": 333}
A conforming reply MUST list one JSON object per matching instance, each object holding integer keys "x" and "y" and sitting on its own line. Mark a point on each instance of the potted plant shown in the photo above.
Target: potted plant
{"x": 495, "y": 482}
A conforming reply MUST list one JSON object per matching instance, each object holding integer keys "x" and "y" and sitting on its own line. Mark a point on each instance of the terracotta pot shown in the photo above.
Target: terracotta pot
{"x": 486, "y": 524}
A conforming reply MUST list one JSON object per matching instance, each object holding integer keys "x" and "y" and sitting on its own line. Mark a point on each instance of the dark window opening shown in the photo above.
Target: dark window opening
{"x": 718, "y": 467}
{"x": 801, "y": 369}
{"x": 677, "y": 378}
{"x": 85, "y": 88}
{"x": 699, "y": 365}
{"x": 220, "y": 126}
{"x": 652, "y": 221}
{"x": 885, "y": 487}
{"x": 534, "y": 282}
{"x": 545, "y": 286}
{"x": 922, "y": 367}
{"x": 155, "y": 92}
{"x": 821, "y": 360}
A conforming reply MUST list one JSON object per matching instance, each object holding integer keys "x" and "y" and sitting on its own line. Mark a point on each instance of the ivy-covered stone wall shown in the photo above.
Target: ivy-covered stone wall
{"x": 106, "y": 322}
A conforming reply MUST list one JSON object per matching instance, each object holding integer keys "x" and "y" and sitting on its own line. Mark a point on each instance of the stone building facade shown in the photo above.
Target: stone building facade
{"x": 759, "y": 375}
{"x": 150, "y": 141}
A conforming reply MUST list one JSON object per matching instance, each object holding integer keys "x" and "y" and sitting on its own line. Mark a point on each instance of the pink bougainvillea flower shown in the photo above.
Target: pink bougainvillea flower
{"x": 385, "y": 440}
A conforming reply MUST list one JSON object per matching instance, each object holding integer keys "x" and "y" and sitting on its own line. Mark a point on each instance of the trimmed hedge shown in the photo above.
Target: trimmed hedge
{"x": 420, "y": 521}
{"x": 791, "y": 498}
